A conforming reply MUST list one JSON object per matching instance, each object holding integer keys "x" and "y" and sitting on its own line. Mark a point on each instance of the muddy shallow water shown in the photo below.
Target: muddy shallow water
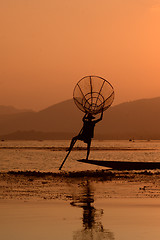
{"x": 31, "y": 185}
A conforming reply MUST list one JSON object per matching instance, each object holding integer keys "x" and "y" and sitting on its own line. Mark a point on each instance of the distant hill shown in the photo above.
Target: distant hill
{"x": 11, "y": 110}
{"x": 36, "y": 135}
{"x": 137, "y": 119}
{"x": 62, "y": 117}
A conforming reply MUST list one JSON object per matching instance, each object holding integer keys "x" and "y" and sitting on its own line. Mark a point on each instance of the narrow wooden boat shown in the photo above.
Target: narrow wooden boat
{"x": 124, "y": 165}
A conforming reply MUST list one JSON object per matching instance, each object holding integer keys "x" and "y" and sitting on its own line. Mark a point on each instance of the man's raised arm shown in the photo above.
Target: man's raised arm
{"x": 98, "y": 120}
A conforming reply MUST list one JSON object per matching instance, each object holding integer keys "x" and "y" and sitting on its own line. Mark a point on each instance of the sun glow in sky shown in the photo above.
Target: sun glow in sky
{"x": 47, "y": 46}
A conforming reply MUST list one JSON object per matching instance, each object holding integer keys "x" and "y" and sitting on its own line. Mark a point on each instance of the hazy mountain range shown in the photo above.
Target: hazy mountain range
{"x": 138, "y": 119}
{"x": 11, "y": 110}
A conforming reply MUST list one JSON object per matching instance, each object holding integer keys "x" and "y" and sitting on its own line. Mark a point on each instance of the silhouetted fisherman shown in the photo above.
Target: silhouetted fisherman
{"x": 87, "y": 131}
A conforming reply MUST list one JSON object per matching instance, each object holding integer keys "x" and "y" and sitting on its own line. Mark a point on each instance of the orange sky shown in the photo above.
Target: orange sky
{"x": 47, "y": 46}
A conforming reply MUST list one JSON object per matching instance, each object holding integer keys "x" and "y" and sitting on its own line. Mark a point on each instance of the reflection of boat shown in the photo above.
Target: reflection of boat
{"x": 92, "y": 225}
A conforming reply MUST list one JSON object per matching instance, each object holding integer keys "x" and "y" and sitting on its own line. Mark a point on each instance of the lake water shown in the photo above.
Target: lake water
{"x": 48, "y": 155}
{"x": 111, "y": 220}
{"x": 43, "y": 207}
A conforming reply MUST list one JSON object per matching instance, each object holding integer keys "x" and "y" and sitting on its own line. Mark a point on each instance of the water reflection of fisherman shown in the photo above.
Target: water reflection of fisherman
{"x": 87, "y": 131}
{"x": 92, "y": 225}
{"x": 85, "y": 201}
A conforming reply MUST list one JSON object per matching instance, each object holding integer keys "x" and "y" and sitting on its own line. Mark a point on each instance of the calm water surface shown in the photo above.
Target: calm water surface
{"x": 48, "y": 155}
{"x": 82, "y": 216}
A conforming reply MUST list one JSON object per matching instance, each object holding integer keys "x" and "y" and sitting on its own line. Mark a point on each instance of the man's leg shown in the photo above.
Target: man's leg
{"x": 88, "y": 148}
{"x": 74, "y": 139}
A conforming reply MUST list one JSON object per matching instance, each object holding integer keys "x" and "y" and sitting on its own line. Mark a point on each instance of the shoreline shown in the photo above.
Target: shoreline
{"x": 38, "y": 186}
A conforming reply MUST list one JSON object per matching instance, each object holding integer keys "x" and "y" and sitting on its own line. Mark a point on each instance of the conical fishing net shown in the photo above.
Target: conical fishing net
{"x": 93, "y": 94}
